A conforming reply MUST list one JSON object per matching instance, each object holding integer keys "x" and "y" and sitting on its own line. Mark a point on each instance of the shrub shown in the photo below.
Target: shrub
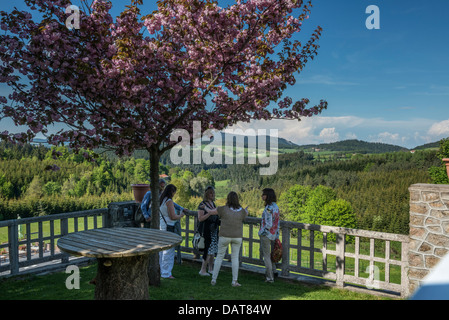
{"x": 319, "y": 206}
{"x": 438, "y": 175}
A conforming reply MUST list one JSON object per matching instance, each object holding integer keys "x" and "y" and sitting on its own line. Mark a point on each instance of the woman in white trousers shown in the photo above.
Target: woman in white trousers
{"x": 168, "y": 218}
{"x": 231, "y": 232}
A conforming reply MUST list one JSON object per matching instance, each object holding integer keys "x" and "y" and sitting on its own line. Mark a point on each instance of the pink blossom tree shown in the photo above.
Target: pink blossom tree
{"x": 127, "y": 83}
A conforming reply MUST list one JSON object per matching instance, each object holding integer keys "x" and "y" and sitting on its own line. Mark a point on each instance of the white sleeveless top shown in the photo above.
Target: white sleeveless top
{"x": 164, "y": 212}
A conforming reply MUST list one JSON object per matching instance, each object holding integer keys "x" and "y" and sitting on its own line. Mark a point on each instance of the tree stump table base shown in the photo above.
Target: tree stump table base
{"x": 122, "y": 279}
{"x": 123, "y": 256}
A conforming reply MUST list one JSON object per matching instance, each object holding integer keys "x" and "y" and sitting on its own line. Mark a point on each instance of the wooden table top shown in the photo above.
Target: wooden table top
{"x": 118, "y": 242}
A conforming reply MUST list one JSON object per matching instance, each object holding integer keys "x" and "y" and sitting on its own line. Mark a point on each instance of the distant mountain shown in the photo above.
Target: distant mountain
{"x": 40, "y": 142}
{"x": 428, "y": 145}
{"x": 282, "y": 143}
{"x": 354, "y": 146}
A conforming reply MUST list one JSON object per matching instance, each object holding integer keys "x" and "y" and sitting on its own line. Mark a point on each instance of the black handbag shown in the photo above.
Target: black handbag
{"x": 168, "y": 227}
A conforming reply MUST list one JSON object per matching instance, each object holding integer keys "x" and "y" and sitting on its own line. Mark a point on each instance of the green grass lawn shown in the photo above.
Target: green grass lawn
{"x": 188, "y": 285}
{"x": 221, "y": 189}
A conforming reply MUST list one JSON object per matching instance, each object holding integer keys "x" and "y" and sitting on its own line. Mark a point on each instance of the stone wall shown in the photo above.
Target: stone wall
{"x": 429, "y": 229}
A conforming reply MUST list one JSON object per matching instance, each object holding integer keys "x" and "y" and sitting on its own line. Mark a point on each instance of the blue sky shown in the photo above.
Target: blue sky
{"x": 388, "y": 85}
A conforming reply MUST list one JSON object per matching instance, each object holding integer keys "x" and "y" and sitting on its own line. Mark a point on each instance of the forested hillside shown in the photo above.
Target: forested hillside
{"x": 376, "y": 186}
{"x": 37, "y": 180}
{"x": 370, "y": 189}
{"x": 355, "y": 146}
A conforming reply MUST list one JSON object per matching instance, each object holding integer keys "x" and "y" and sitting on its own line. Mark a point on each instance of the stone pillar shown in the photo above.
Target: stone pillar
{"x": 429, "y": 229}
{"x": 121, "y": 214}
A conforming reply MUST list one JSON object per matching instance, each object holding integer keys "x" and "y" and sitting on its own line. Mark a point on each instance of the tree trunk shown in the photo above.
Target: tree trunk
{"x": 154, "y": 273}
{"x": 122, "y": 278}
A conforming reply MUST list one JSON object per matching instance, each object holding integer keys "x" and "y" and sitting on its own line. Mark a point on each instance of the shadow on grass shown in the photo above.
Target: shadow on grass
{"x": 188, "y": 285}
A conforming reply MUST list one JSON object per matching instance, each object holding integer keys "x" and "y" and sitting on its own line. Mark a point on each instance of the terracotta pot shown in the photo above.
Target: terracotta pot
{"x": 446, "y": 162}
{"x": 139, "y": 191}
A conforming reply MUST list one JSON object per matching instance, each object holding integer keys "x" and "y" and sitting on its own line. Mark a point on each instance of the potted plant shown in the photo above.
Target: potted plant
{"x": 139, "y": 190}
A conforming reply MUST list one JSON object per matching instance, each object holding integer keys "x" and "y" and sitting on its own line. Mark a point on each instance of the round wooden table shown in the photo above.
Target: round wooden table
{"x": 122, "y": 255}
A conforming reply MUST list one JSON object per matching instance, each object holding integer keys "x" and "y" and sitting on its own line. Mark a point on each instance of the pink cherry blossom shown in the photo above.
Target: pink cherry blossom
{"x": 127, "y": 83}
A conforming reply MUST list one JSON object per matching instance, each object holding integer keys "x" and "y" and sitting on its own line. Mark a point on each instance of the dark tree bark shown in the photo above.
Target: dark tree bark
{"x": 154, "y": 270}
{"x": 122, "y": 278}
{"x": 154, "y": 273}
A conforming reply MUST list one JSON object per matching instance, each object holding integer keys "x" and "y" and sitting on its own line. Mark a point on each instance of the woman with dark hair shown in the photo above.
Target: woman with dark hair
{"x": 168, "y": 218}
{"x": 269, "y": 230}
{"x": 209, "y": 224}
{"x": 231, "y": 232}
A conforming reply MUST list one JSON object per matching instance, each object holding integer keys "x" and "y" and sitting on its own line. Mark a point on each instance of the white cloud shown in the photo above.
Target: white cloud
{"x": 312, "y": 130}
{"x": 387, "y": 137}
{"x": 329, "y": 135}
{"x": 318, "y": 129}
{"x": 439, "y": 129}
{"x": 350, "y": 136}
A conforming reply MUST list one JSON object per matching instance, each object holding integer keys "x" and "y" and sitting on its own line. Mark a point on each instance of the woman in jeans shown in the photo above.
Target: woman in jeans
{"x": 231, "y": 232}
{"x": 269, "y": 230}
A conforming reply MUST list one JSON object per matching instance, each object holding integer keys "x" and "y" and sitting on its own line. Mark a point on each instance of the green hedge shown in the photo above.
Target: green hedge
{"x": 33, "y": 206}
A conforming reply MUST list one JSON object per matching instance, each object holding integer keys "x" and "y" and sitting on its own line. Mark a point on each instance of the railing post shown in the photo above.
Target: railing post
{"x": 106, "y": 219}
{"x": 285, "y": 251}
{"x": 340, "y": 267}
{"x": 405, "y": 289}
{"x": 64, "y": 231}
{"x": 13, "y": 239}
{"x": 312, "y": 249}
